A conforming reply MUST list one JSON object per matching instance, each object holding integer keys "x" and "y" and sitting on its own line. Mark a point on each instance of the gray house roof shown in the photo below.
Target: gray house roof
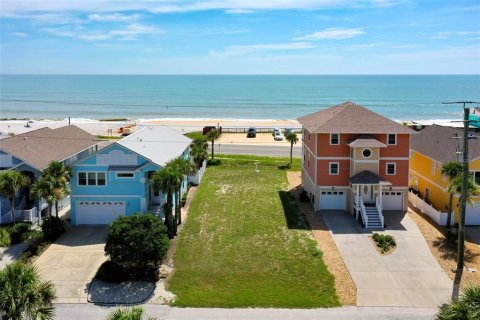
{"x": 40, "y": 147}
{"x": 367, "y": 177}
{"x": 365, "y": 141}
{"x": 159, "y": 144}
{"x": 350, "y": 118}
{"x": 436, "y": 142}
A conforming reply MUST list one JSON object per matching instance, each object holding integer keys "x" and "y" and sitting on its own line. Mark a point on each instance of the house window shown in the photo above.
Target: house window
{"x": 91, "y": 179}
{"x": 392, "y": 139}
{"x": 334, "y": 138}
{"x": 334, "y": 168}
{"x": 367, "y": 153}
{"x": 125, "y": 175}
{"x": 391, "y": 168}
{"x": 476, "y": 176}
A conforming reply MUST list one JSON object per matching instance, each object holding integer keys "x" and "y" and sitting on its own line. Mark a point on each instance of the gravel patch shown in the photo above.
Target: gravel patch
{"x": 128, "y": 292}
{"x": 346, "y": 289}
{"x": 446, "y": 254}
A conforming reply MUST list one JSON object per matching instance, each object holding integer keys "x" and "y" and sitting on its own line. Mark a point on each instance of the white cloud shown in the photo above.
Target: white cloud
{"x": 333, "y": 34}
{"x": 408, "y": 46}
{"x": 458, "y": 33}
{"x": 19, "y": 34}
{"x": 367, "y": 45}
{"x": 113, "y": 17}
{"x": 10, "y": 7}
{"x": 239, "y": 50}
{"x": 135, "y": 29}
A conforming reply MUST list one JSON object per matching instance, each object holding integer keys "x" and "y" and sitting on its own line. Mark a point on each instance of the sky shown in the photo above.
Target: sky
{"x": 239, "y": 37}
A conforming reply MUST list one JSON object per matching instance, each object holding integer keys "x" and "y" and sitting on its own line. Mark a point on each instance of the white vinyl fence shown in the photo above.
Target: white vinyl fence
{"x": 197, "y": 177}
{"x": 439, "y": 217}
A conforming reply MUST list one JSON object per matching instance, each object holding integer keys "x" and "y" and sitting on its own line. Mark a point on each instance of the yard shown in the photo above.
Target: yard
{"x": 245, "y": 243}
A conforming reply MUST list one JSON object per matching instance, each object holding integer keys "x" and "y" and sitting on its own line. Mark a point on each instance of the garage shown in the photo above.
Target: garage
{"x": 99, "y": 212}
{"x": 392, "y": 200}
{"x": 333, "y": 200}
{"x": 472, "y": 215}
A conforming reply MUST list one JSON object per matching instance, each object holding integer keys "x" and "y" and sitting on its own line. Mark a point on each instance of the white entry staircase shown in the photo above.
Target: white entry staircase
{"x": 371, "y": 214}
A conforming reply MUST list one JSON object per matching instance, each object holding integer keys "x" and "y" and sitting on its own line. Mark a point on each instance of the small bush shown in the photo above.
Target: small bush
{"x": 384, "y": 242}
{"x": 213, "y": 162}
{"x": 137, "y": 242}
{"x": 112, "y": 272}
{"x": 4, "y": 238}
{"x": 17, "y": 230}
{"x": 33, "y": 237}
{"x": 53, "y": 227}
{"x": 284, "y": 166}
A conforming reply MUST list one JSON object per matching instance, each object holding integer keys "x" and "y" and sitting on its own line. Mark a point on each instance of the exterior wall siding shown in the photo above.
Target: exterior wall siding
{"x": 325, "y": 179}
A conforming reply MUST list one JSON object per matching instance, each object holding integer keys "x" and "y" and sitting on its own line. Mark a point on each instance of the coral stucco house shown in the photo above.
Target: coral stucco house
{"x": 116, "y": 180}
{"x": 355, "y": 160}
{"x": 431, "y": 148}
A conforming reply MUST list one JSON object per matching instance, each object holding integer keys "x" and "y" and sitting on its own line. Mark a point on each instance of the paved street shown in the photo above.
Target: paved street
{"x": 92, "y": 312}
{"x": 259, "y": 150}
{"x": 72, "y": 261}
{"x": 409, "y": 277}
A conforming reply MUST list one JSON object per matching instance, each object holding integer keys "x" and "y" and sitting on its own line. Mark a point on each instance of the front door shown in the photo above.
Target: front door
{"x": 155, "y": 197}
{"x": 366, "y": 191}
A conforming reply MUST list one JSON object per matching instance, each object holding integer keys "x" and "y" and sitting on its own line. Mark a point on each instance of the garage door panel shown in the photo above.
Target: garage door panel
{"x": 333, "y": 200}
{"x": 392, "y": 200}
{"x": 472, "y": 215}
{"x": 99, "y": 212}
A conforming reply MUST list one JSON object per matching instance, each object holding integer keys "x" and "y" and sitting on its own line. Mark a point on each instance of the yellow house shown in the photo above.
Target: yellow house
{"x": 432, "y": 147}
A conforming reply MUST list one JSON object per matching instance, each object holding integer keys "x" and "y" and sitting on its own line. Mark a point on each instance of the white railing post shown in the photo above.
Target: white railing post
{"x": 378, "y": 204}
{"x": 364, "y": 213}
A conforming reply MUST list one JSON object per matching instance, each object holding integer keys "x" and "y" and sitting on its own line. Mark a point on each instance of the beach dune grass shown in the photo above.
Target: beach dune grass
{"x": 237, "y": 248}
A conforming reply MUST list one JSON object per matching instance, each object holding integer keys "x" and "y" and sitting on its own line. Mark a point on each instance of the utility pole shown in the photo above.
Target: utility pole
{"x": 463, "y": 198}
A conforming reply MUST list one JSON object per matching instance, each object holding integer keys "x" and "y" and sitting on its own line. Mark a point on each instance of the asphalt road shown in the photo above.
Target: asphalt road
{"x": 259, "y": 150}
{"x": 93, "y": 312}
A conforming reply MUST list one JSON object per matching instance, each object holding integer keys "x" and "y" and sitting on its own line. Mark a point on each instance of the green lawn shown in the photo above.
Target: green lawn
{"x": 245, "y": 245}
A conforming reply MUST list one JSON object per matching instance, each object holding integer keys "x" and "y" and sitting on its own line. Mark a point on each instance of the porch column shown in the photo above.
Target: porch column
{"x": 357, "y": 194}
{"x": 380, "y": 195}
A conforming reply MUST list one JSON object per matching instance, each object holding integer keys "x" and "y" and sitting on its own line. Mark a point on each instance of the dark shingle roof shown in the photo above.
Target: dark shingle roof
{"x": 436, "y": 142}
{"x": 40, "y": 147}
{"x": 350, "y": 118}
{"x": 367, "y": 177}
{"x": 365, "y": 141}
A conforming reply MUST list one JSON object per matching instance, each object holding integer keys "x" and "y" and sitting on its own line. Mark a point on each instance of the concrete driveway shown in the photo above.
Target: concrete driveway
{"x": 409, "y": 277}
{"x": 72, "y": 261}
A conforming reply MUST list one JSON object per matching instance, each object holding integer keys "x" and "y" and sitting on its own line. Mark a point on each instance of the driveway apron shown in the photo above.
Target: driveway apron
{"x": 409, "y": 277}
{"x": 72, "y": 261}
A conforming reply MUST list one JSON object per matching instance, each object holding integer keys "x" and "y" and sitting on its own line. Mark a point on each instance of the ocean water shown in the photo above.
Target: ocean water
{"x": 238, "y": 97}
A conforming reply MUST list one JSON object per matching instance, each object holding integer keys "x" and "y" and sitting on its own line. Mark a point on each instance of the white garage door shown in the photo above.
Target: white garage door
{"x": 392, "y": 200}
{"x": 333, "y": 200}
{"x": 472, "y": 215}
{"x": 99, "y": 212}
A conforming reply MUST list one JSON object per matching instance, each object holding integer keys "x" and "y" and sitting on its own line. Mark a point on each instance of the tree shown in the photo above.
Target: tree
{"x": 23, "y": 295}
{"x": 60, "y": 176}
{"x": 466, "y": 307}
{"x": 137, "y": 242}
{"x": 135, "y": 313}
{"x": 182, "y": 168}
{"x": 293, "y": 139}
{"x": 451, "y": 170}
{"x": 166, "y": 180}
{"x": 198, "y": 151}
{"x": 10, "y": 182}
{"x": 212, "y": 135}
{"x": 44, "y": 188}
{"x": 473, "y": 190}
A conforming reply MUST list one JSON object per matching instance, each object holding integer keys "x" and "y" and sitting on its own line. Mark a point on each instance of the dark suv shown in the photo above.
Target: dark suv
{"x": 251, "y": 133}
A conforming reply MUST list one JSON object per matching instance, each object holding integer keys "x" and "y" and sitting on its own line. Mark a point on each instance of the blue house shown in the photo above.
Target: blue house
{"x": 30, "y": 153}
{"x": 116, "y": 180}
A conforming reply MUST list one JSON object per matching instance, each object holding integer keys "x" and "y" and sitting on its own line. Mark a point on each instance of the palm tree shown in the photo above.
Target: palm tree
{"x": 45, "y": 188}
{"x": 198, "y": 151}
{"x": 135, "y": 313}
{"x": 10, "y": 182}
{"x": 473, "y": 190}
{"x": 23, "y": 295}
{"x": 451, "y": 170}
{"x": 212, "y": 135}
{"x": 60, "y": 177}
{"x": 293, "y": 139}
{"x": 166, "y": 180}
{"x": 466, "y": 307}
{"x": 182, "y": 167}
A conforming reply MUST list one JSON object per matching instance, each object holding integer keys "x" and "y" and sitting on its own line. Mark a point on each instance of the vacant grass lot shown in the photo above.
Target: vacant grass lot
{"x": 245, "y": 245}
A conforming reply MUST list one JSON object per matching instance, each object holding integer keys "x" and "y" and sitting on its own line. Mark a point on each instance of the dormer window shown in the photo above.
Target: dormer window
{"x": 392, "y": 139}
{"x": 334, "y": 138}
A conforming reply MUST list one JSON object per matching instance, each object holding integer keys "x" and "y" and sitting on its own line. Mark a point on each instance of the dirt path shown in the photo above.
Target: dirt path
{"x": 346, "y": 290}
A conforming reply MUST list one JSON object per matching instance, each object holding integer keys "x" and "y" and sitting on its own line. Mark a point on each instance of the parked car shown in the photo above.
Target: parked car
{"x": 277, "y": 134}
{"x": 251, "y": 133}
{"x": 287, "y": 131}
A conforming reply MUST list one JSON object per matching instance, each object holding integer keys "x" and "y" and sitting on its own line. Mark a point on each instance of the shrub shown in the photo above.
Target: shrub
{"x": 466, "y": 307}
{"x": 137, "y": 242}
{"x": 17, "y": 230}
{"x": 33, "y": 237}
{"x": 134, "y": 313}
{"x": 53, "y": 227}
{"x": 213, "y": 162}
{"x": 112, "y": 272}
{"x": 4, "y": 238}
{"x": 384, "y": 242}
{"x": 284, "y": 166}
